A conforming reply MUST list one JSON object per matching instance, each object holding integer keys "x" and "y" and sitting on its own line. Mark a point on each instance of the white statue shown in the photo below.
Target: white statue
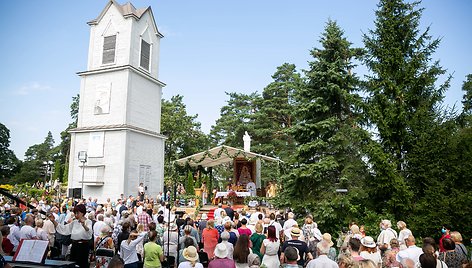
{"x": 247, "y": 142}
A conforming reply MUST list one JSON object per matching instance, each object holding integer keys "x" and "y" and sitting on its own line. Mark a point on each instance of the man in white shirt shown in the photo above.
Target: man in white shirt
{"x": 387, "y": 234}
{"x": 412, "y": 252}
{"x": 27, "y": 231}
{"x": 276, "y": 224}
{"x": 290, "y": 222}
{"x": 322, "y": 261}
{"x": 97, "y": 227}
{"x": 217, "y": 213}
{"x": 14, "y": 235}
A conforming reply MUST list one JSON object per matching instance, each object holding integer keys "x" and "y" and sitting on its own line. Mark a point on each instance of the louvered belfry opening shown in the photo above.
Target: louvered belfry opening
{"x": 109, "y": 45}
{"x": 145, "y": 54}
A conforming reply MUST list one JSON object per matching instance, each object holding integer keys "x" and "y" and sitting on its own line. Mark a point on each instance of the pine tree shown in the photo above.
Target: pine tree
{"x": 275, "y": 115}
{"x": 235, "y": 119}
{"x": 327, "y": 131}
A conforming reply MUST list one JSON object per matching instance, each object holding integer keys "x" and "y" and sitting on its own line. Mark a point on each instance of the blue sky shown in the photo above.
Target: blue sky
{"x": 209, "y": 47}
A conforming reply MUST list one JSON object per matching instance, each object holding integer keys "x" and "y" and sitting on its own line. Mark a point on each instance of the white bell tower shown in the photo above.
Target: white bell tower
{"x": 120, "y": 107}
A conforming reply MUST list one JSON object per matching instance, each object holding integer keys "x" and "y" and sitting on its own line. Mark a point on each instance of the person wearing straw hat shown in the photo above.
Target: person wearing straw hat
{"x": 332, "y": 251}
{"x": 191, "y": 257}
{"x": 221, "y": 258}
{"x": 323, "y": 261}
{"x": 300, "y": 245}
{"x": 369, "y": 250}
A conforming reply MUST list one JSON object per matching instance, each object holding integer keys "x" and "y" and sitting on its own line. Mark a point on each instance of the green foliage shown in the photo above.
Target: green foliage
{"x": 235, "y": 119}
{"x": 402, "y": 101}
{"x": 33, "y": 167}
{"x": 189, "y": 189}
{"x": 327, "y": 132}
{"x": 182, "y": 130}
{"x": 9, "y": 164}
{"x": 184, "y": 136}
{"x": 275, "y": 115}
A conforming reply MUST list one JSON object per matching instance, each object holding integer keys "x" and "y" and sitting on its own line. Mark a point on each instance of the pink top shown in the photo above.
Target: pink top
{"x": 210, "y": 240}
{"x": 245, "y": 231}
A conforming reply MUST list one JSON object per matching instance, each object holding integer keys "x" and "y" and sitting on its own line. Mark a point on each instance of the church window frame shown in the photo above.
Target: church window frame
{"x": 109, "y": 49}
{"x": 145, "y": 55}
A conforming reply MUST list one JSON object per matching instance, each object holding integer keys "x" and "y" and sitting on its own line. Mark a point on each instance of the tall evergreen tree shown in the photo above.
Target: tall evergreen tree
{"x": 9, "y": 164}
{"x": 184, "y": 135}
{"x": 327, "y": 131}
{"x": 467, "y": 98}
{"x": 402, "y": 97}
{"x": 275, "y": 115}
{"x": 235, "y": 119}
{"x": 33, "y": 167}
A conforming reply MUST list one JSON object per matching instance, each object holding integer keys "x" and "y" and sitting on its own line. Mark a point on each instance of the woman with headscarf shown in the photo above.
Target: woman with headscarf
{"x": 80, "y": 230}
{"x": 190, "y": 255}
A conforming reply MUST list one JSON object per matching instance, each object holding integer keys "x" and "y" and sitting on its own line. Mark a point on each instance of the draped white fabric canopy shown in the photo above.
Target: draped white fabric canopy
{"x": 220, "y": 155}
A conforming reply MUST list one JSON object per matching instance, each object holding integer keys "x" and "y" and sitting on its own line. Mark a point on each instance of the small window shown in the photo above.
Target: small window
{"x": 109, "y": 45}
{"x": 145, "y": 54}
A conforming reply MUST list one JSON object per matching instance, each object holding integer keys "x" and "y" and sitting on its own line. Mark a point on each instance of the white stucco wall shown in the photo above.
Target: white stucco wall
{"x": 113, "y": 159}
{"x": 144, "y": 150}
{"x": 144, "y": 103}
{"x": 117, "y": 82}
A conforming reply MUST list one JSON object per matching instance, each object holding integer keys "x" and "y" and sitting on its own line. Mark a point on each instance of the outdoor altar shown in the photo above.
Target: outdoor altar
{"x": 246, "y": 179}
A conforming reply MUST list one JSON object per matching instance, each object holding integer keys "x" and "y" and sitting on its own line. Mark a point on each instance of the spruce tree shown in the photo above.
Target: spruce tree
{"x": 467, "y": 98}
{"x": 327, "y": 131}
{"x": 402, "y": 98}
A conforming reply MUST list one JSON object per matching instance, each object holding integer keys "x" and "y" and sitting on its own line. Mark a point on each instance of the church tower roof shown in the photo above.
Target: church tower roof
{"x": 127, "y": 10}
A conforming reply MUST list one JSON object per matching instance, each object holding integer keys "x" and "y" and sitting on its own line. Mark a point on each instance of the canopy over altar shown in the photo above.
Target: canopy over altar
{"x": 246, "y": 180}
{"x": 220, "y": 155}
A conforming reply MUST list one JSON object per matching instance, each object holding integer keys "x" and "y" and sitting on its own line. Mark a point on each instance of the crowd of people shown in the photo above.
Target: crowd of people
{"x": 140, "y": 232}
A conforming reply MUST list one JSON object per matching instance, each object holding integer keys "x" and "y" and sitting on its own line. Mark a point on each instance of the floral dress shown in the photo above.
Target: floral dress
{"x": 106, "y": 243}
{"x": 390, "y": 258}
{"x": 452, "y": 259}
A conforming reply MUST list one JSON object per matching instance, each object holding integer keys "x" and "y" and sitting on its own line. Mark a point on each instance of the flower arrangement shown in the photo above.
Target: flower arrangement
{"x": 232, "y": 194}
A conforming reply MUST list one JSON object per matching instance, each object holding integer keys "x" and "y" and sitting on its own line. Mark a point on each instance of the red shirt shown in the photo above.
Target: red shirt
{"x": 441, "y": 247}
{"x": 7, "y": 246}
{"x": 145, "y": 220}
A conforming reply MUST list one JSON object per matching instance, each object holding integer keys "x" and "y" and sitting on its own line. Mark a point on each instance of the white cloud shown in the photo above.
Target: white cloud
{"x": 31, "y": 88}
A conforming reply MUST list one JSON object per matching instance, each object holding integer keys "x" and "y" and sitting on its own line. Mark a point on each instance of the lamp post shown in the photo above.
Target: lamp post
{"x": 83, "y": 159}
